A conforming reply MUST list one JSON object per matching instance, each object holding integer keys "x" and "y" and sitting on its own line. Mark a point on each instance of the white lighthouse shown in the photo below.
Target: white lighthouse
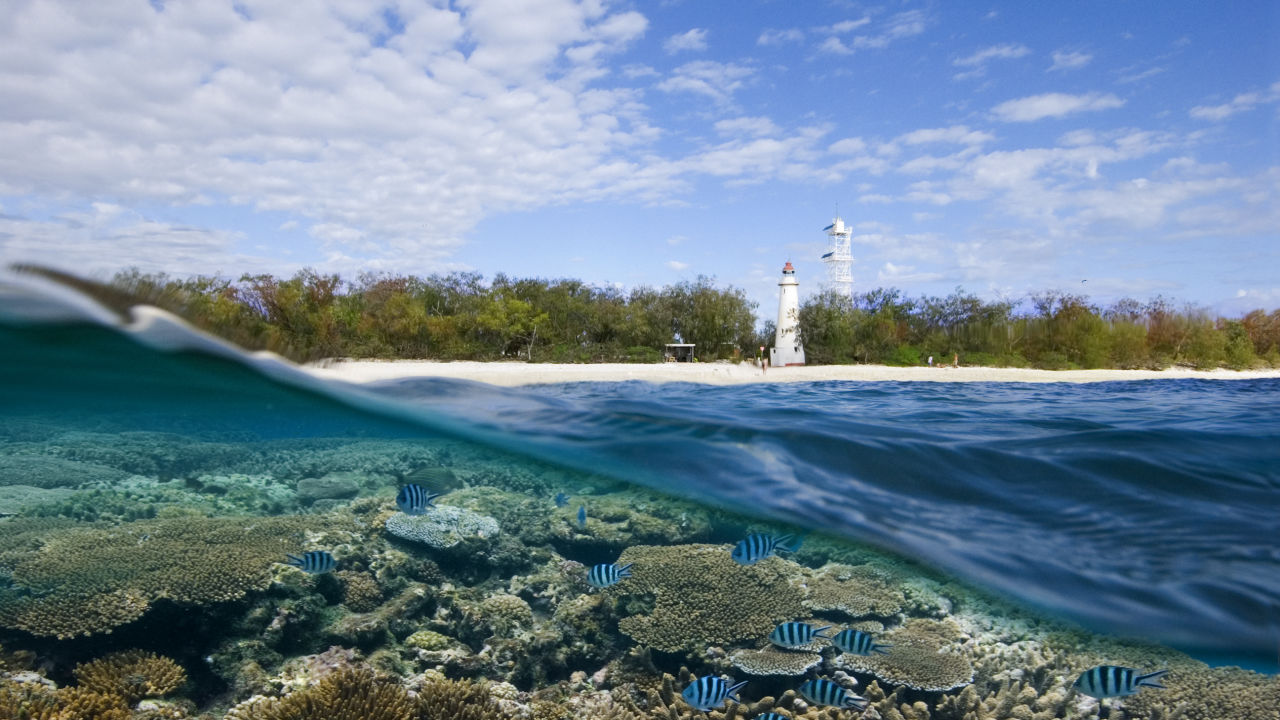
{"x": 786, "y": 344}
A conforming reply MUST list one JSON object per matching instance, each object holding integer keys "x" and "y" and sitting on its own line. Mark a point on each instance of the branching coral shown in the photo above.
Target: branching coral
{"x": 456, "y": 700}
{"x": 344, "y": 695}
{"x": 132, "y": 675}
{"x": 35, "y": 701}
{"x": 702, "y": 597}
{"x": 360, "y": 591}
{"x": 87, "y": 581}
{"x": 665, "y": 703}
{"x": 1209, "y": 694}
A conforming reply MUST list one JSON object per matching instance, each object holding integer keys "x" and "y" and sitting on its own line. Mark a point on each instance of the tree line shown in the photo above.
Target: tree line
{"x": 460, "y": 316}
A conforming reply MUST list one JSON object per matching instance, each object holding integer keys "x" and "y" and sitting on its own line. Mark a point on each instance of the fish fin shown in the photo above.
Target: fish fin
{"x": 625, "y": 569}
{"x": 790, "y": 543}
{"x": 294, "y": 560}
{"x": 733, "y": 691}
{"x": 818, "y": 632}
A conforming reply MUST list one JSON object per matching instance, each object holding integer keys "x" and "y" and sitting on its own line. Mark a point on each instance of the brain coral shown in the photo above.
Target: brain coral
{"x": 442, "y": 527}
{"x": 702, "y": 597}
{"x": 86, "y": 581}
{"x": 132, "y": 675}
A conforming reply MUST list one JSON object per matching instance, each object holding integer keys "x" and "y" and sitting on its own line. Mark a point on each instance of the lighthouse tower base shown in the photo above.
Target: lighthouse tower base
{"x": 782, "y": 356}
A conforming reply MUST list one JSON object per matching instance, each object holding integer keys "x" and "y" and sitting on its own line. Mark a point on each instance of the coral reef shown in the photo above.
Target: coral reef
{"x": 87, "y": 581}
{"x": 360, "y": 590}
{"x": 37, "y": 701}
{"x": 702, "y": 597}
{"x": 132, "y": 675}
{"x": 442, "y": 527}
{"x": 44, "y": 471}
{"x": 919, "y": 659}
{"x": 856, "y": 591}
{"x": 348, "y": 694}
{"x": 1206, "y": 693}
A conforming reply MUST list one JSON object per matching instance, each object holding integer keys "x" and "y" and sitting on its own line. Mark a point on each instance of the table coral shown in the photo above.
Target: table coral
{"x": 88, "y": 581}
{"x": 702, "y": 597}
{"x": 918, "y": 659}
{"x": 774, "y": 661}
{"x": 856, "y": 591}
{"x": 132, "y": 675}
{"x": 441, "y": 527}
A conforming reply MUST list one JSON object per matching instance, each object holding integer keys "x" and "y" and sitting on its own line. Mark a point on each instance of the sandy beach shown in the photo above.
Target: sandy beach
{"x": 520, "y": 373}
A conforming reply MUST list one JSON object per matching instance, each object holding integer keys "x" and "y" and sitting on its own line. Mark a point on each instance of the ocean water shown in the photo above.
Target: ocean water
{"x": 1143, "y": 509}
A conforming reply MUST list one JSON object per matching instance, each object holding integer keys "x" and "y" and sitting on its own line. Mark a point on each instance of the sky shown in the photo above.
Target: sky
{"x": 1111, "y": 149}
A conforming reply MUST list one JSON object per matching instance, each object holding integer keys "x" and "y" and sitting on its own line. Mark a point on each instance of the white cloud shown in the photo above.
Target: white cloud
{"x": 676, "y": 240}
{"x": 381, "y": 143}
{"x": 896, "y": 27}
{"x": 1007, "y": 51}
{"x": 846, "y": 26}
{"x": 1240, "y": 103}
{"x": 746, "y": 126}
{"x": 677, "y": 265}
{"x": 695, "y": 39}
{"x": 958, "y": 134}
{"x": 715, "y": 80}
{"x": 1069, "y": 60}
{"x": 1038, "y": 107}
{"x": 771, "y": 36}
{"x": 834, "y": 46}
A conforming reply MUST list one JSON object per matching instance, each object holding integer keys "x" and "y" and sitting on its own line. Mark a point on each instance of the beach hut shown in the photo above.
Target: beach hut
{"x": 678, "y": 352}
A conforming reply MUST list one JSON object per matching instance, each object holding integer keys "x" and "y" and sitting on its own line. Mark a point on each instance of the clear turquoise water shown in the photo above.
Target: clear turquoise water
{"x": 1143, "y": 508}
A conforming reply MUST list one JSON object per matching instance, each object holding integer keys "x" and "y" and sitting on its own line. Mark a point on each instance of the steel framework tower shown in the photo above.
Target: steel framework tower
{"x": 839, "y": 257}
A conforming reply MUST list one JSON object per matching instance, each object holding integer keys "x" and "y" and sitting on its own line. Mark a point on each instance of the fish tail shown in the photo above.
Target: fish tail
{"x": 295, "y": 560}
{"x": 818, "y": 632}
{"x": 791, "y": 543}
{"x": 881, "y": 648}
{"x": 732, "y": 692}
{"x": 1152, "y": 679}
{"x": 625, "y": 570}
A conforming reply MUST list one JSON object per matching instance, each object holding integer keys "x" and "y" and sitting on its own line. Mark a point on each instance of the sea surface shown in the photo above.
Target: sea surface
{"x": 1146, "y": 508}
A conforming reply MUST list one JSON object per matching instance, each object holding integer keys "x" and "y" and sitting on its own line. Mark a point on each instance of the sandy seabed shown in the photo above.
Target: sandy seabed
{"x": 722, "y": 373}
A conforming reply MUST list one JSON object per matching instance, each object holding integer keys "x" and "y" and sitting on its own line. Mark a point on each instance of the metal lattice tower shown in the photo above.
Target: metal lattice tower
{"x": 839, "y": 257}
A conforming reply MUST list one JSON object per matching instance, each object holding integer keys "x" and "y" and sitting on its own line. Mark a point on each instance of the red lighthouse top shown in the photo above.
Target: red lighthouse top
{"x": 787, "y": 268}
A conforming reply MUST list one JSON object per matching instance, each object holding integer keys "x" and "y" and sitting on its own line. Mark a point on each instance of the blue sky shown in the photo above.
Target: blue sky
{"x": 1111, "y": 148}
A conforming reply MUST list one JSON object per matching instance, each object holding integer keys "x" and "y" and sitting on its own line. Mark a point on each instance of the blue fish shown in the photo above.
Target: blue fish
{"x": 710, "y": 692}
{"x": 856, "y": 642}
{"x": 821, "y": 691}
{"x": 795, "y": 634}
{"x": 313, "y": 562}
{"x": 415, "y": 499}
{"x": 602, "y": 576}
{"x": 582, "y": 516}
{"x": 758, "y": 546}
{"x": 561, "y": 499}
{"x": 770, "y": 716}
{"x": 1108, "y": 681}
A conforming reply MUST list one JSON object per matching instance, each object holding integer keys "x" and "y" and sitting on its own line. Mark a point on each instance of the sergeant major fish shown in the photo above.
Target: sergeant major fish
{"x": 821, "y": 691}
{"x": 856, "y": 642}
{"x": 415, "y": 500}
{"x": 313, "y": 562}
{"x": 604, "y": 575}
{"x": 1107, "y": 681}
{"x": 795, "y": 634}
{"x": 709, "y": 691}
{"x": 758, "y": 546}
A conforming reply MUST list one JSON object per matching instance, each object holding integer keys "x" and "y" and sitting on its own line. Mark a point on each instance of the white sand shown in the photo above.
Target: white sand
{"x": 520, "y": 373}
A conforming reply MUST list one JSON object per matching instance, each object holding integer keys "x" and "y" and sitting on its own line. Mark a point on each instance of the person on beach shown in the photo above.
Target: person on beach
{"x": 930, "y": 361}
{"x": 955, "y": 360}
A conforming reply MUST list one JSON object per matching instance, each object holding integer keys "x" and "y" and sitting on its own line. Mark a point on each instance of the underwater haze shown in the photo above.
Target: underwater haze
{"x": 1146, "y": 509}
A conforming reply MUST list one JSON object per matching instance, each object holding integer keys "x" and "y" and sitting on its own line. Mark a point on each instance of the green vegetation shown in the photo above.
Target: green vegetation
{"x": 461, "y": 317}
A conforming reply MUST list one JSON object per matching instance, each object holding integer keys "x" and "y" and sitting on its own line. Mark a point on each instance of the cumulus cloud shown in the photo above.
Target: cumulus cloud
{"x": 1047, "y": 105}
{"x": 369, "y": 125}
{"x": 695, "y": 39}
{"x": 1069, "y": 60}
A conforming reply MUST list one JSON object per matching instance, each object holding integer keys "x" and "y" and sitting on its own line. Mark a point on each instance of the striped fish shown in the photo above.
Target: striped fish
{"x": 758, "y": 546}
{"x": 414, "y": 499}
{"x": 1107, "y": 681}
{"x": 313, "y": 561}
{"x": 602, "y": 576}
{"x": 856, "y": 642}
{"x": 795, "y": 634}
{"x": 709, "y": 692}
{"x": 822, "y": 691}
{"x": 770, "y": 716}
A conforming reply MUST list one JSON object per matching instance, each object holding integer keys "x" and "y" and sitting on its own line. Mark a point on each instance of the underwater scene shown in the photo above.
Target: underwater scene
{"x": 187, "y": 531}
